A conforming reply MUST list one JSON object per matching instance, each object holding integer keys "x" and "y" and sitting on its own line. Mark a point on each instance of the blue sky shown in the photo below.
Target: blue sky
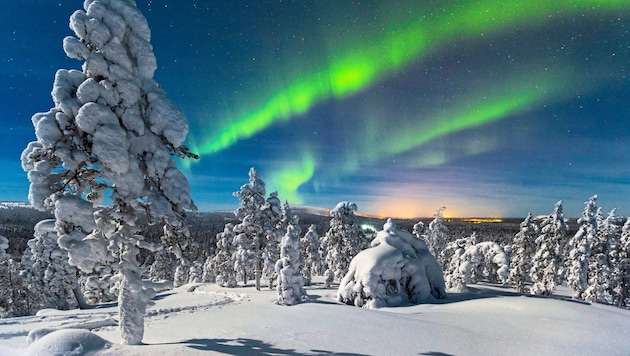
{"x": 398, "y": 106}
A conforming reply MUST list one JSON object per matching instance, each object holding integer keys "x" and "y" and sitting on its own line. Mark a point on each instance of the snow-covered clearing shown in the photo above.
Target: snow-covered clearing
{"x": 208, "y": 319}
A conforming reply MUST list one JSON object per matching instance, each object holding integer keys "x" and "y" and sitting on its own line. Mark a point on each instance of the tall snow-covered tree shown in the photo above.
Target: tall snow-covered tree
{"x": 343, "y": 240}
{"x": 604, "y": 257}
{"x": 309, "y": 246}
{"x": 579, "y": 247}
{"x": 290, "y": 281}
{"x": 437, "y": 236}
{"x": 274, "y": 229}
{"x": 523, "y": 249}
{"x": 223, "y": 262}
{"x": 546, "y": 260}
{"x": 112, "y": 131}
{"x": 622, "y": 267}
{"x": 250, "y": 231}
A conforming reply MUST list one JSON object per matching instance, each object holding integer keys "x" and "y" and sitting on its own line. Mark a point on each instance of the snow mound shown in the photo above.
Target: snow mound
{"x": 397, "y": 270}
{"x": 65, "y": 342}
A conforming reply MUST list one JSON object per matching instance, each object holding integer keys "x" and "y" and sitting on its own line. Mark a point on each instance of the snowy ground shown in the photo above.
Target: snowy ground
{"x": 207, "y": 319}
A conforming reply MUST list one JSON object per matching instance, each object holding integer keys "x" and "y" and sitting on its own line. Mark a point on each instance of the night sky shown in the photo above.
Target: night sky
{"x": 490, "y": 108}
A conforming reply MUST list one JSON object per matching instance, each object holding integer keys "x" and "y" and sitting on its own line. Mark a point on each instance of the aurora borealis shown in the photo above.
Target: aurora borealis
{"x": 490, "y": 108}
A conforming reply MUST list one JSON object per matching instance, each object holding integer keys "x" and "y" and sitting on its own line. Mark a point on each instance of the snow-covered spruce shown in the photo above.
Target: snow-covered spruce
{"x": 290, "y": 282}
{"x": 112, "y": 131}
{"x": 309, "y": 245}
{"x": 398, "y": 269}
{"x": 523, "y": 249}
{"x": 579, "y": 246}
{"x": 622, "y": 268}
{"x": 342, "y": 241}
{"x": 604, "y": 256}
{"x": 223, "y": 263}
{"x": 546, "y": 260}
{"x": 437, "y": 236}
{"x": 274, "y": 214}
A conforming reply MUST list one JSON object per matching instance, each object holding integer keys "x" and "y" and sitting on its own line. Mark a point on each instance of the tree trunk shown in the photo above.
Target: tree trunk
{"x": 81, "y": 302}
{"x": 257, "y": 269}
{"x": 132, "y": 299}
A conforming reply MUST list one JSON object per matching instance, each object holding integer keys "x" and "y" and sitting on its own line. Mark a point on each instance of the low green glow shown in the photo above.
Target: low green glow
{"x": 288, "y": 179}
{"x": 359, "y": 66}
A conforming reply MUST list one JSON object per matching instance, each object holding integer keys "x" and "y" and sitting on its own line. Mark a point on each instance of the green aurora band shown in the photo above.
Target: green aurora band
{"x": 356, "y": 69}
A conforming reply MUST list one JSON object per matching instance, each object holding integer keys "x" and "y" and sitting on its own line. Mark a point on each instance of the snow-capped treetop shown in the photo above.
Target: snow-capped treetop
{"x": 251, "y": 196}
{"x": 343, "y": 210}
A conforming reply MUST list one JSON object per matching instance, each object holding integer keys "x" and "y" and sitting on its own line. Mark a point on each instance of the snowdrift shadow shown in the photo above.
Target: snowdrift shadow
{"x": 489, "y": 290}
{"x": 245, "y": 346}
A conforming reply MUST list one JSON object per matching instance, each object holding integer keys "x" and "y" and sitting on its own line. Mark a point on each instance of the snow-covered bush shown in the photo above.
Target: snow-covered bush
{"x": 112, "y": 131}
{"x": 473, "y": 262}
{"x": 398, "y": 269}
{"x": 546, "y": 260}
{"x": 343, "y": 240}
{"x": 523, "y": 249}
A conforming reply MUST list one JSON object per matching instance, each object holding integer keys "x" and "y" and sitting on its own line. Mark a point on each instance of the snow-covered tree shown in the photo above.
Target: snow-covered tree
{"x": 437, "y": 236}
{"x": 309, "y": 245}
{"x": 181, "y": 274}
{"x": 622, "y": 267}
{"x": 250, "y": 232}
{"x": 455, "y": 276}
{"x": 523, "y": 248}
{"x": 419, "y": 230}
{"x": 4, "y": 245}
{"x": 474, "y": 261}
{"x": 102, "y": 285}
{"x": 163, "y": 266}
{"x": 343, "y": 240}
{"x": 579, "y": 247}
{"x": 222, "y": 262}
{"x": 195, "y": 272}
{"x": 274, "y": 214}
{"x": 207, "y": 275}
{"x": 604, "y": 257}
{"x": 50, "y": 273}
{"x": 112, "y": 131}
{"x": 290, "y": 281}
{"x": 546, "y": 260}
{"x": 398, "y": 269}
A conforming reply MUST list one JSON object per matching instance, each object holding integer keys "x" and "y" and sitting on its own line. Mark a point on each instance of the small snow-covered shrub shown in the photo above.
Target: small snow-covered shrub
{"x": 398, "y": 269}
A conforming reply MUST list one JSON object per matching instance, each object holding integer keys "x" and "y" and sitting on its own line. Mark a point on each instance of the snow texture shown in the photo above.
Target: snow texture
{"x": 397, "y": 270}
